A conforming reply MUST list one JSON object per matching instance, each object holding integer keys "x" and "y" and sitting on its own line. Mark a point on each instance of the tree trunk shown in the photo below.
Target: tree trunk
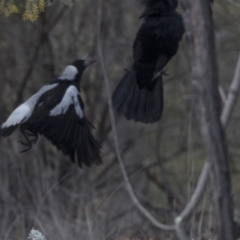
{"x": 208, "y": 108}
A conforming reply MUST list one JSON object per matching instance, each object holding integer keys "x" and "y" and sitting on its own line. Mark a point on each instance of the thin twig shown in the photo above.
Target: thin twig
{"x": 232, "y": 96}
{"x": 196, "y": 196}
{"x": 222, "y": 94}
{"x": 89, "y": 223}
{"x": 234, "y": 3}
{"x": 134, "y": 199}
{"x": 202, "y": 216}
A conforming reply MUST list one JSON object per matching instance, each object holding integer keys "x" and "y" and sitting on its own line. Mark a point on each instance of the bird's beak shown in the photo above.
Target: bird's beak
{"x": 86, "y": 60}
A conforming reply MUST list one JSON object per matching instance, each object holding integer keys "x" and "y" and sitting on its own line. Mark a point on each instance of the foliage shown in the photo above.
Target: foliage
{"x": 32, "y": 8}
{"x": 8, "y": 8}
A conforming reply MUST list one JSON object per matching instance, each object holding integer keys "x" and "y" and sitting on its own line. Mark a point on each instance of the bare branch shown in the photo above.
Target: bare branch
{"x": 222, "y": 94}
{"x": 234, "y": 3}
{"x": 195, "y": 198}
{"x": 232, "y": 96}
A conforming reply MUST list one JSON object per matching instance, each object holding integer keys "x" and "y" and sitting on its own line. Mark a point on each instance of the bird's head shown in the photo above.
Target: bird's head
{"x": 83, "y": 63}
{"x": 75, "y": 70}
{"x": 158, "y": 7}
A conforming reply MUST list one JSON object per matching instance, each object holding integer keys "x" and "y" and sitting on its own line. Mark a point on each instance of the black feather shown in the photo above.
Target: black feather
{"x": 57, "y": 112}
{"x": 7, "y": 131}
{"x": 139, "y": 95}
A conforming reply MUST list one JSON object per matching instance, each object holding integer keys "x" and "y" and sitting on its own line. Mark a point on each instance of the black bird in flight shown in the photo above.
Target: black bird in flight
{"x": 57, "y": 112}
{"x": 139, "y": 96}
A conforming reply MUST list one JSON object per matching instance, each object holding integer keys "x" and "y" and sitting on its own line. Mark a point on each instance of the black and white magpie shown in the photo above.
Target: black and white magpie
{"x": 57, "y": 112}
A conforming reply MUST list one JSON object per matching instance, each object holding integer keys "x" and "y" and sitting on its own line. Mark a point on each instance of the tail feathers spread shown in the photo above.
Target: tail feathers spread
{"x": 122, "y": 91}
{"x": 138, "y": 104}
{"x": 133, "y": 105}
{"x": 155, "y": 102}
{"x": 7, "y": 131}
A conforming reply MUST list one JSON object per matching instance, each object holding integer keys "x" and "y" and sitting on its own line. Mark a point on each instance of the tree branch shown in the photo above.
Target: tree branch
{"x": 234, "y": 3}
{"x": 196, "y": 196}
{"x": 225, "y": 117}
{"x": 208, "y": 90}
{"x": 232, "y": 96}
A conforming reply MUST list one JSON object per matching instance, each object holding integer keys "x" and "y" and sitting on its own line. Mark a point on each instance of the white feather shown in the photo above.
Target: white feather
{"x": 69, "y": 73}
{"x": 70, "y": 97}
{"x": 18, "y": 115}
{"x": 24, "y": 111}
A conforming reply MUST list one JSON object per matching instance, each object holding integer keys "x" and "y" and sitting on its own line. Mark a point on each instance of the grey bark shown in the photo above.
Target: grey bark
{"x": 208, "y": 108}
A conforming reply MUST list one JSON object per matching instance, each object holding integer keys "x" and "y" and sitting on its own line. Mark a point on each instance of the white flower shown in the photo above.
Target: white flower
{"x": 36, "y": 235}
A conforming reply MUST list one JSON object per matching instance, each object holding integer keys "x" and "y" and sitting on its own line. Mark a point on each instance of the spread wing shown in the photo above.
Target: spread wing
{"x": 59, "y": 116}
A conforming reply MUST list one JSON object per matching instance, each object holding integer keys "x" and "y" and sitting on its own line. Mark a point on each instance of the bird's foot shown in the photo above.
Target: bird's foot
{"x": 29, "y": 146}
{"x": 164, "y": 72}
{"x": 126, "y": 70}
{"x": 159, "y": 74}
{"x": 30, "y": 134}
{"x": 29, "y": 142}
{"x": 34, "y": 135}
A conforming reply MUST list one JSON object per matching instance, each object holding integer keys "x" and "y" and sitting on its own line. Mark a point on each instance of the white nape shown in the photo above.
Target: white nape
{"x": 70, "y": 97}
{"x": 69, "y": 73}
{"x": 24, "y": 111}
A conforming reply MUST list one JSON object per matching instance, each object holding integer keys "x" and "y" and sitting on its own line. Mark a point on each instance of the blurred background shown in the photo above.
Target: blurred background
{"x": 43, "y": 189}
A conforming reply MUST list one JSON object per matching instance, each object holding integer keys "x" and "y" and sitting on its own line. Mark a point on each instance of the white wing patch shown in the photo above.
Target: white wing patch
{"x": 69, "y": 73}
{"x": 24, "y": 111}
{"x": 18, "y": 115}
{"x": 70, "y": 97}
{"x": 31, "y": 102}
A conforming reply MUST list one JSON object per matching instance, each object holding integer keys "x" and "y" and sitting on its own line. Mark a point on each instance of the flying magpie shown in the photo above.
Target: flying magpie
{"x": 139, "y": 95}
{"x": 57, "y": 112}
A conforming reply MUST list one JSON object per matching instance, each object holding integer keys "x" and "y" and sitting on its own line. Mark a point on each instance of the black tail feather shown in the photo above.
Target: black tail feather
{"x": 133, "y": 106}
{"x": 148, "y": 106}
{"x": 122, "y": 90}
{"x": 141, "y": 105}
{"x": 157, "y": 98}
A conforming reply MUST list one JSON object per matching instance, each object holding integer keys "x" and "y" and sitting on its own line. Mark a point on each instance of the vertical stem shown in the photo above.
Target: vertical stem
{"x": 208, "y": 108}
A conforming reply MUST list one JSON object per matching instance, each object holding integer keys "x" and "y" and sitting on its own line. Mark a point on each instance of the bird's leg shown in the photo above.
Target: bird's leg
{"x": 28, "y": 143}
{"x": 164, "y": 72}
{"x": 159, "y": 73}
{"x": 32, "y": 134}
{"x": 27, "y": 133}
